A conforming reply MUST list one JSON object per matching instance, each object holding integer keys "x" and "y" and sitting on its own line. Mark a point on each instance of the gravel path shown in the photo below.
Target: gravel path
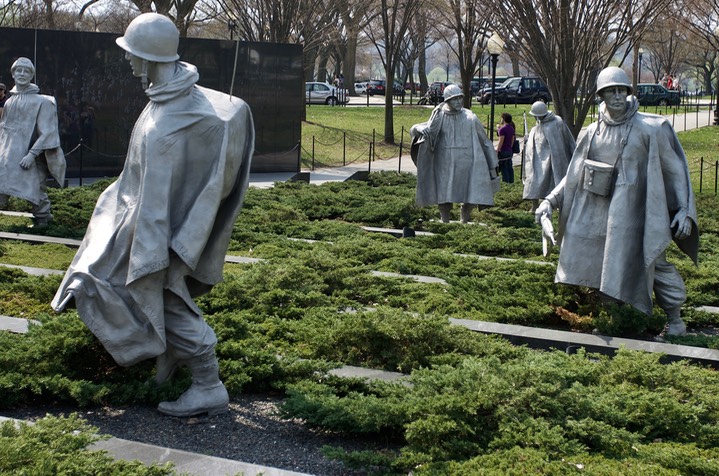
{"x": 251, "y": 432}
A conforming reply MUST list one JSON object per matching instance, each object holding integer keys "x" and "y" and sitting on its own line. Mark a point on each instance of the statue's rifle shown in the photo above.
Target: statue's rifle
{"x": 524, "y": 146}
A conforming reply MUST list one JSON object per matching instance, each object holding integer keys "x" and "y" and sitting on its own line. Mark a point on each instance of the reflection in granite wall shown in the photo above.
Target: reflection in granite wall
{"x": 99, "y": 99}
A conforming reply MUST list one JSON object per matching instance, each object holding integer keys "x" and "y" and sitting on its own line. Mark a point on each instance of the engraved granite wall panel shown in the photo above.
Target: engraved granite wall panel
{"x": 99, "y": 100}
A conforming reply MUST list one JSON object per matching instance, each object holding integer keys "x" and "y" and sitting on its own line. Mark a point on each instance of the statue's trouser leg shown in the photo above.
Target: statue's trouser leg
{"x": 466, "y": 212}
{"x": 187, "y": 334}
{"x": 41, "y": 210}
{"x": 444, "y": 211}
{"x": 670, "y": 293}
{"x": 190, "y": 341}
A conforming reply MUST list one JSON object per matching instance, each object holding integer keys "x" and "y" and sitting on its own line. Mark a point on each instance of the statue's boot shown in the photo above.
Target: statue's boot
{"x": 444, "y": 211}
{"x": 466, "y": 212}
{"x": 207, "y": 394}
{"x": 676, "y": 325}
{"x": 166, "y": 365}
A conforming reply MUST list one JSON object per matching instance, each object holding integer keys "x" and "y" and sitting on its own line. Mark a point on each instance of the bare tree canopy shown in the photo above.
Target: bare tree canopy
{"x": 567, "y": 42}
{"x": 388, "y": 33}
{"x": 469, "y": 20}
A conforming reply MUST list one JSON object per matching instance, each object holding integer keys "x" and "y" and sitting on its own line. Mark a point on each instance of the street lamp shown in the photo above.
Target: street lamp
{"x": 495, "y": 45}
{"x": 639, "y": 74}
{"x": 232, "y": 26}
{"x": 716, "y": 92}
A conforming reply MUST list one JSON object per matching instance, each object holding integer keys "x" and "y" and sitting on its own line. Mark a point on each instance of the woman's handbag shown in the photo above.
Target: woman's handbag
{"x": 515, "y": 146}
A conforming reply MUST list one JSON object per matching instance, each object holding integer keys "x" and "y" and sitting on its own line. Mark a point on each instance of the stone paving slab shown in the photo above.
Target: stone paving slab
{"x": 570, "y": 341}
{"x": 16, "y": 325}
{"x": 33, "y": 271}
{"x": 39, "y": 238}
{"x": 416, "y": 277}
{"x": 185, "y": 462}
{"x": 350, "y": 371}
{"x": 242, "y": 259}
{"x": 393, "y": 231}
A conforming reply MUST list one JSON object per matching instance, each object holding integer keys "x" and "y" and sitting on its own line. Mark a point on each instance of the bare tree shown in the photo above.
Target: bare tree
{"x": 388, "y": 33}
{"x": 669, "y": 45}
{"x": 283, "y": 21}
{"x": 353, "y": 21}
{"x": 469, "y": 21}
{"x": 702, "y": 18}
{"x": 567, "y": 42}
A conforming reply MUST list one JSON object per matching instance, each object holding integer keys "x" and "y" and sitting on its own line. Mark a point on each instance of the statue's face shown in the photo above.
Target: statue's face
{"x": 22, "y": 76}
{"x": 615, "y": 99}
{"x": 135, "y": 64}
{"x": 455, "y": 103}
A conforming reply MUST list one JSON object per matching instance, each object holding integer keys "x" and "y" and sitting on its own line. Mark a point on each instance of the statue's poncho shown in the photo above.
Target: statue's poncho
{"x": 611, "y": 243}
{"x": 29, "y": 122}
{"x": 454, "y": 160}
{"x": 165, "y": 224}
{"x": 547, "y": 152}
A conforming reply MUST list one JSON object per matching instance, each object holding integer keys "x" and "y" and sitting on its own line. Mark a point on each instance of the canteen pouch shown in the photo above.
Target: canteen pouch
{"x": 598, "y": 178}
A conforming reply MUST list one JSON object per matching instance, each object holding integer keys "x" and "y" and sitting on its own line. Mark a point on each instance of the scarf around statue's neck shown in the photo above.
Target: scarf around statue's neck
{"x": 31, "y": 88}
{"x": 182, "y": 81}
{"x": 548, "y": 117}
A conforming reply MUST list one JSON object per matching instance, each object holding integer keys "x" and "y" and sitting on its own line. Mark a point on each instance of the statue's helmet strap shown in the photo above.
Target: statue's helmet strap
{"x": 152, "y": 37}
{"x": 613, "y": 76}
{"x": 452, "y": 91}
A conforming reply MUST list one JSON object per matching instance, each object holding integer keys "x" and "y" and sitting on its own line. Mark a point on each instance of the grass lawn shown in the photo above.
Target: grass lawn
{"x": 342, "y": 135}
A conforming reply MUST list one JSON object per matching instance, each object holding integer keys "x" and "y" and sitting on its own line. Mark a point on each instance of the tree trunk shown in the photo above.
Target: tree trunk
{"x": 322, "y": 66}
{"x": 388, "y": 106}
{"x": 310, "y": 58}
{"x": 349, "y": 63}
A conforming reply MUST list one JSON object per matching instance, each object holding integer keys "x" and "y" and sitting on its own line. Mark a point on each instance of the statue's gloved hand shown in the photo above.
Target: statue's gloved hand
{"x": 683, "y": 224}
{"x": 544, "y": 207}
{"x": 27, "y": 161}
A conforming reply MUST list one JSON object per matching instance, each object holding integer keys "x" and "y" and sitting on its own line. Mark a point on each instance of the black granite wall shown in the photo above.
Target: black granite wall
{"x": 99, "y": 99}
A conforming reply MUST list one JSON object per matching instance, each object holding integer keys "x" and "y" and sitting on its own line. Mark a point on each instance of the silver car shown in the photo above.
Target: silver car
{"x": 317, "y": 92}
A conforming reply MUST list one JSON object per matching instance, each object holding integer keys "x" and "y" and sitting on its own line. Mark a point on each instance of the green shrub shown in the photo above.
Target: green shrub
{"x": 58, "y": 446}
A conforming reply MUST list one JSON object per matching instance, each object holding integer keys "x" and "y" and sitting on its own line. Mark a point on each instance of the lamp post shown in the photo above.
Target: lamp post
{"x": 716, "y": 92}
{"x": 494, "y": 46}
{"x": 639, "y": 74}
{"x": 232, "y": 26}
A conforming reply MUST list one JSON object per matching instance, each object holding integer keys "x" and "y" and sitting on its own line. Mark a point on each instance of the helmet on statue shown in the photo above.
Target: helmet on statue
{"x": 452, "y": 91}
{"x": 613, "y": 76}
{"x": 152, "y": 37}
{"x": 539, "y": 109}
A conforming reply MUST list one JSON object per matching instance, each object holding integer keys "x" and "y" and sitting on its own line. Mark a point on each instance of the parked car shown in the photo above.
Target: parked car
{"x": 361, "y": 87}
{"x": 656, "y": 95}
{"x": 379, "y": 86}
{"x": 437, "y": 87}
{"x": 317, "y": 92}
{"x": 408, "y": 86}
{"x": 517, "y": 90}
{"x": 376, "y": 86}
